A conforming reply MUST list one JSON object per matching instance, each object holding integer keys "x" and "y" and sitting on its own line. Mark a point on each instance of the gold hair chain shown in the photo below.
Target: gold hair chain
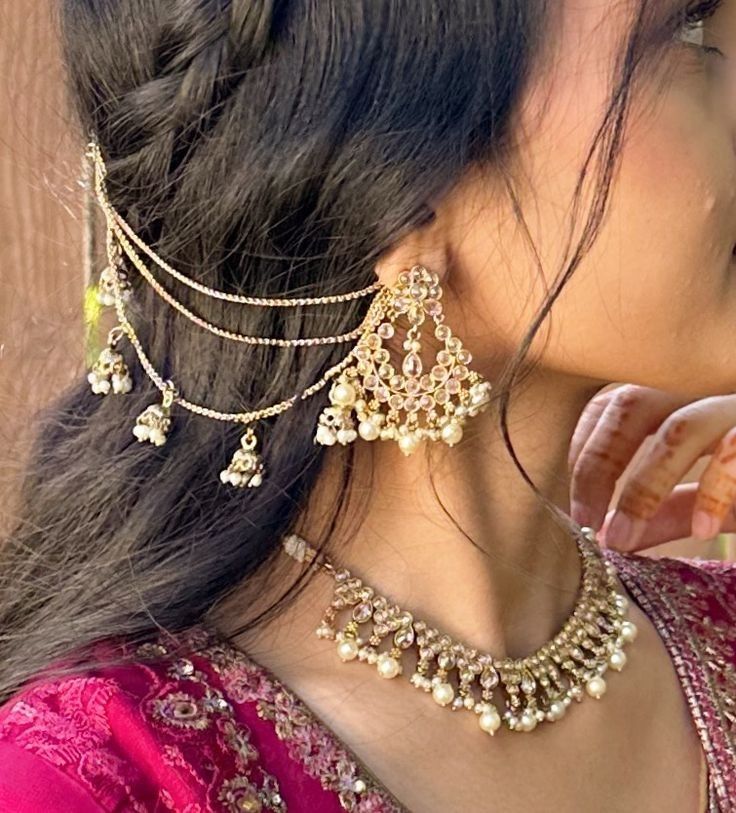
{"x": 370, "y": 399}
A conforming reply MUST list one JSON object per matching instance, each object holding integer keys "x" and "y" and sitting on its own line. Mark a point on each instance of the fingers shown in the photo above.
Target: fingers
{"x": 682, "y": 438}
{"x": 616, "y": 425}
{"x": 587, "y": 424}
{"x": 716, "y": 495}
{"x": 673, "y": 520}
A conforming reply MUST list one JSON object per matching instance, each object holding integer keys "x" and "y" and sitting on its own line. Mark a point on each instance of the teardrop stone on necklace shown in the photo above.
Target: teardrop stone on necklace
{"x": 528, "y": 684}
{"x": 404, "y": 637}
{"x": 489, "y": 678}
{"x": 362, "y": 612}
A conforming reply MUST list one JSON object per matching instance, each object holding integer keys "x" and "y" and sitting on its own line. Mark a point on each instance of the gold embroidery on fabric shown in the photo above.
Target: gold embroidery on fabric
{"x": 238, "y": 793}
{"x": 295, "y": 725}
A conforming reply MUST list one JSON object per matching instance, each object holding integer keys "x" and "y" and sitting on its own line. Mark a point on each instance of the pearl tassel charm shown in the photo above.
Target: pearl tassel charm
{"x": 111, "y": 276}
{"x": 154, "y": 423}
{"x": 535, "y": 689}
{"x": 246, "y": 467}
{"x": 110, "y": 372}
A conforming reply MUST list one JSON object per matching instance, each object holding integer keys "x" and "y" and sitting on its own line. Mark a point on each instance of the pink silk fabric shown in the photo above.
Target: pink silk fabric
{"x": 197, "y": 726}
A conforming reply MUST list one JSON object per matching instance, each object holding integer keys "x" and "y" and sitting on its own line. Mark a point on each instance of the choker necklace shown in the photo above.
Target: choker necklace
{"x": 537, "y": 688}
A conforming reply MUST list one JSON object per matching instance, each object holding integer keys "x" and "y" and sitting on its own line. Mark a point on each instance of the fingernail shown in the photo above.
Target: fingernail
{"x": 705, "y": 525}
{"x": 624, "y": 532}
{"x": 581, "y": 514}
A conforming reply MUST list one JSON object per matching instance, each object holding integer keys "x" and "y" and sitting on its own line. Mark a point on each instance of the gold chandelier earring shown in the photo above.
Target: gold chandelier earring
{"x": 413, "y": 402}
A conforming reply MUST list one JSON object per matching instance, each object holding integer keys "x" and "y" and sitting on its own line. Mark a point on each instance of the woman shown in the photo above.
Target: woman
{"x": 431, "y": 185}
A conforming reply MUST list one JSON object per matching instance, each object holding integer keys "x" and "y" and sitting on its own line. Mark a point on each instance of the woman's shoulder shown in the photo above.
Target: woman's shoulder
{"x": 188, "y": 724}
{"x": 60, "y": 743}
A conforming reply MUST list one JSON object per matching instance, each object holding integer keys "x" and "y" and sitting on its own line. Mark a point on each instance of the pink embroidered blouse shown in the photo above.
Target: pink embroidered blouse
{"x": 211, "y": 730}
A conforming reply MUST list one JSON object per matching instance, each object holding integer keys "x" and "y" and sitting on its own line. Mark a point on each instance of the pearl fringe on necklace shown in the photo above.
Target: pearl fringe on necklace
{"x": 537, "y": 688}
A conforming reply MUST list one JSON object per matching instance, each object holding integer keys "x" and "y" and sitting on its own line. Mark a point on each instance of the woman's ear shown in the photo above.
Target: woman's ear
{"x": 425, "y": 245}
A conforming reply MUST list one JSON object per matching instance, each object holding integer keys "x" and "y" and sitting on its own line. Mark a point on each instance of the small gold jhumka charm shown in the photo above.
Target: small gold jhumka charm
{"x": 518, "y": 692}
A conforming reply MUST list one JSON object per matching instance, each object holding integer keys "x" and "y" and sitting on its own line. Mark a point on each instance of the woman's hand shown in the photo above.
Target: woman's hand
{"x": 652, "y": 507}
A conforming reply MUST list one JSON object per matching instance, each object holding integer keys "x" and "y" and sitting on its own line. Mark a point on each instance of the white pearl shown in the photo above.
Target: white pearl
{"x": 617, "y": 659}
{"x": 596, "y": 687}
{"x": 368, "y": 430}
{"x": 528, "y": 721}
{"x": 443, "y": 693}
{"x": 408, "y": 443}
{"x": 347, "y": 649}
{"x": 452, "y": 433}
{"x": 346, "y": 436}
{"x": 628, "y": 631}
{"x": 121, "y": 383}
{"x": 225, "y": 476}
{"x": 157, "y": 437}
{"x": 343, "y": 394}
{"x": 556, "y": 710}
{"x": 325, "y": 436}
{"x": 388, "y": 667}
{"x": 141, "y": 432}
{"x": 255, "y": 480}
{"x": 490, "y": 720}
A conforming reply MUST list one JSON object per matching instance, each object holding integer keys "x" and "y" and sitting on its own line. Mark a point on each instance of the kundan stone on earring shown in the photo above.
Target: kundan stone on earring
{"x": 376, "y": 400}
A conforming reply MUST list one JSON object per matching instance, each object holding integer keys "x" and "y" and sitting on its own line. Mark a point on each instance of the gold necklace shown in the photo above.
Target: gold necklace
{"x": 537, "y": 688}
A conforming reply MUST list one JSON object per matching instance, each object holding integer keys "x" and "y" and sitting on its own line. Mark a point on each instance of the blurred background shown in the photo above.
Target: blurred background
{"x": 41, "y": 336}
{"x": 42, "y": 283}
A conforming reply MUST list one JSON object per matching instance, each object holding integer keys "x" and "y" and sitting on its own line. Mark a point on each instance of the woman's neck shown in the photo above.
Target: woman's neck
{"x": 503, "y": 579}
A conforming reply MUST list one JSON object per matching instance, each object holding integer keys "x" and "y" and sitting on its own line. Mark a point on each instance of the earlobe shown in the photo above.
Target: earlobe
{"x": 426, "y": 248}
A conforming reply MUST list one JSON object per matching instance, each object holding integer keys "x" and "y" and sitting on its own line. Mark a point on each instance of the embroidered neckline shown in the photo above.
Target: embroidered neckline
{"x": 633, "y": 570}
{"x": 310, "y": 741}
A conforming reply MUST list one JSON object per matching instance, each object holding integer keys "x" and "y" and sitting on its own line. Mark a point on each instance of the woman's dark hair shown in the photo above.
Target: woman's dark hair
{"x": 269, "y": 147}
